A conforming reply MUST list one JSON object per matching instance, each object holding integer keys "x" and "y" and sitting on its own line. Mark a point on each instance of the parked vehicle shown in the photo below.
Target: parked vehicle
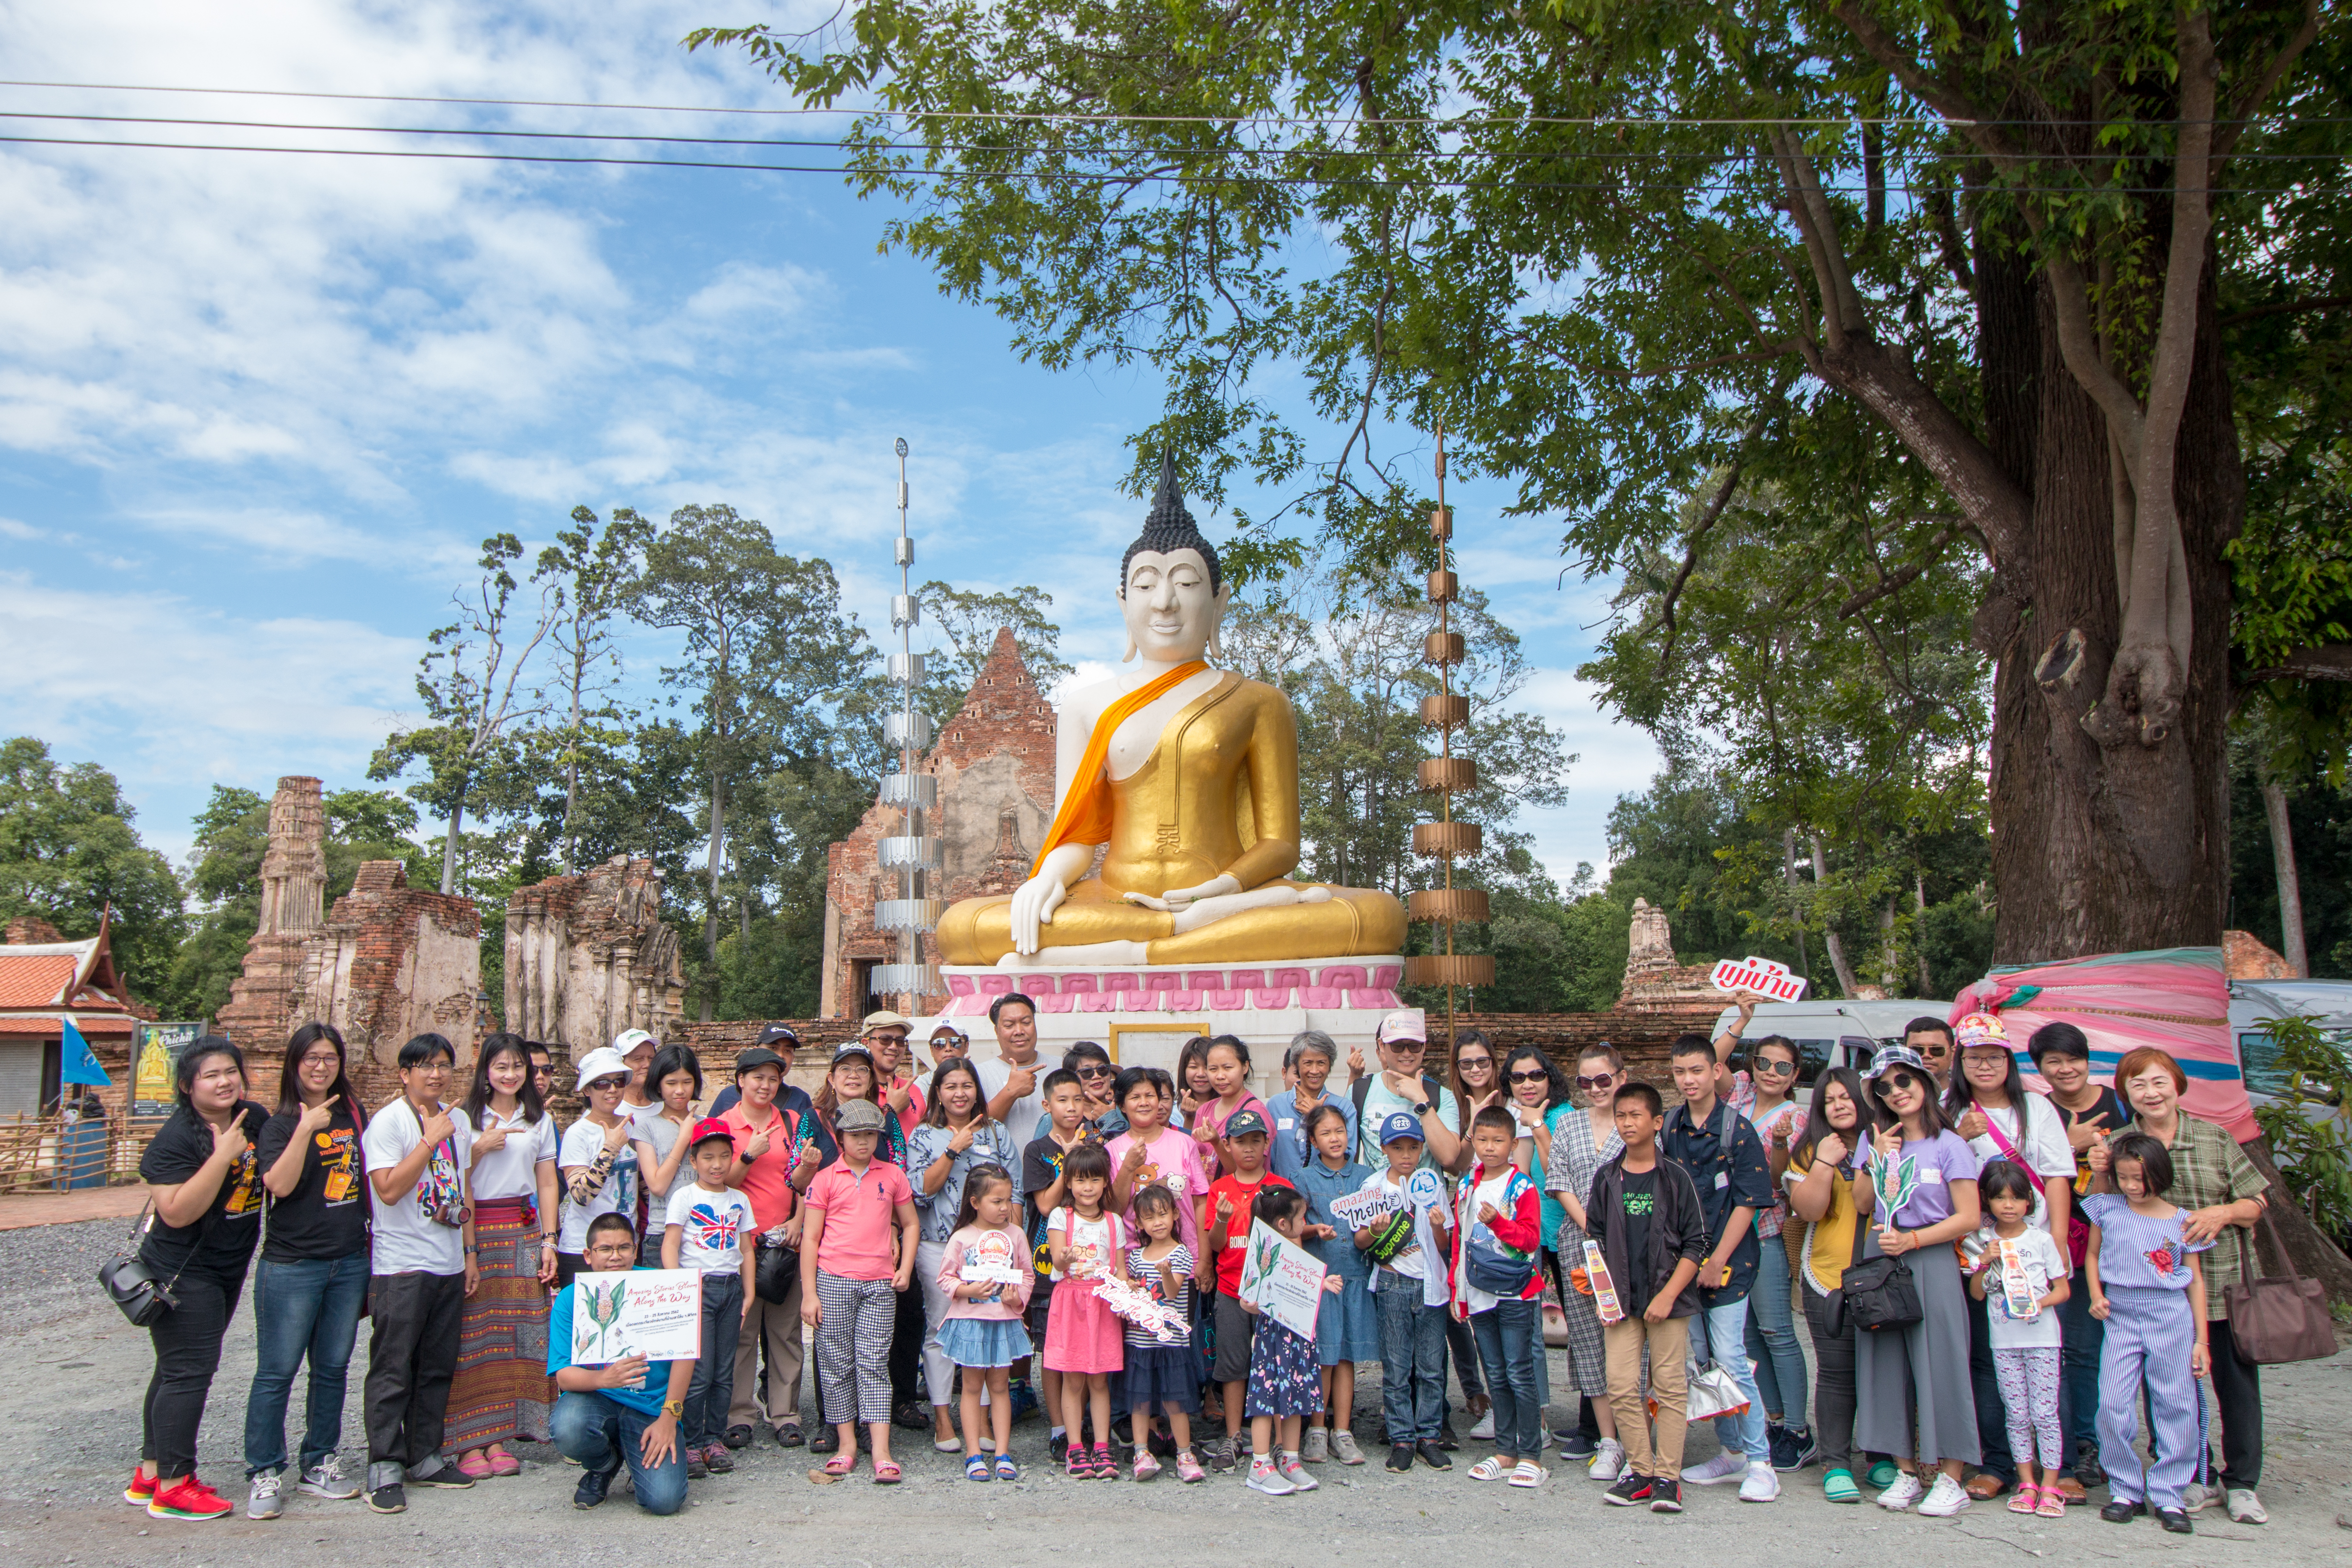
{"x": 1833, "y": 1034}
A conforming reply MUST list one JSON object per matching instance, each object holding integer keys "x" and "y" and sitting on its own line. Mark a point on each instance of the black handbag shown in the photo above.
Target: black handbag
{"x": 1874, "y": 1293}
{"x": 131, "y": 1283}
{"x": 775, "y": 1270}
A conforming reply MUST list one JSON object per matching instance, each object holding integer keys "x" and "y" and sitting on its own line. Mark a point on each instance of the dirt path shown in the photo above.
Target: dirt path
{"x": 73, "y": 1409}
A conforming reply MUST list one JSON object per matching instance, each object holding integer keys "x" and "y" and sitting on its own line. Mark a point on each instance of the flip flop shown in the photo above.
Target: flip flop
{"x": 840, "y": 1465}
{"x": 886, "y": 1474}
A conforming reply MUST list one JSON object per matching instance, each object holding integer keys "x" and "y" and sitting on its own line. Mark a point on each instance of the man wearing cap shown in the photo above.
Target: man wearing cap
{"x": 792, "y": 1099}
{"x": 764, "y": 1136}
{"x": 946, "y": 1041}
{"x": 1010, "y": 1078}
{"x": 885, "y": 1033}
{"x": 1404, "y": 1084}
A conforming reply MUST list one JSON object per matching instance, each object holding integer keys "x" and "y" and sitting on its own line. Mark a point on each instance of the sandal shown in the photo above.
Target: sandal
{"x": 505, "y": 1463}
{"x": 1006, "y": 1471}
{"x": 1527, "y": 1474}
{"x": 1487, "y": 1469}
{"x": 840, "y": 1465}
{"x": 2053, "y": 1504}
{"x": 474, "y": 1468}
{"x": 886, "y": 1474}
{"x": 2026, "y": 1499}
{"x": 976, "y": 1468}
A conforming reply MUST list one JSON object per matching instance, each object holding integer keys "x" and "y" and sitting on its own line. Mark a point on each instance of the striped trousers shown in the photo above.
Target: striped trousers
{"x": 853, "y": 1340}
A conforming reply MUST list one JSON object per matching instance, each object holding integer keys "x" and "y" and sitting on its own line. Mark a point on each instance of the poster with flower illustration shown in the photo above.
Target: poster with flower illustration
{"x": 653, "y": 1312}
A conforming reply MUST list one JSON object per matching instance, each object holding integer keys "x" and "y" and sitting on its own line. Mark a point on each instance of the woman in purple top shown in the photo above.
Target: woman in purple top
{"x": 1926, "y": 1183}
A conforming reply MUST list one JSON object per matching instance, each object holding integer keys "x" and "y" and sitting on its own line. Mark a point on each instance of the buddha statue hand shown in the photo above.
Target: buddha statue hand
{"x": 1193, "y": 908}
{"x": 1175, "y": 900}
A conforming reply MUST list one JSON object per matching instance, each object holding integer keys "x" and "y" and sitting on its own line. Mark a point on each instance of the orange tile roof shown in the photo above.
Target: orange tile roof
{"x": 34, "y": 979}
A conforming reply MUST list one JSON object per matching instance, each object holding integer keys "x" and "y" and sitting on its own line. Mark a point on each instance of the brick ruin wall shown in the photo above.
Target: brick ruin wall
{"x": 588, "y": 955}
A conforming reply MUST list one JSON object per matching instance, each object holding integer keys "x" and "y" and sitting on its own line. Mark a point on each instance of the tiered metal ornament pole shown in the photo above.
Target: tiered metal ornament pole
{"x": 911, "y": 852}
{"x": 1443, "y": 775}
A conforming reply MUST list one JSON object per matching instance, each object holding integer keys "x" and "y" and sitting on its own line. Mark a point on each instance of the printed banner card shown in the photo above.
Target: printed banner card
{"x": 997, "y": 1257}
{"x": 653, "y": 1312}
{"x": 1764, "y": 976}
{"x": 1368, "y": 1207}
{"x": 1283, "y": 1279}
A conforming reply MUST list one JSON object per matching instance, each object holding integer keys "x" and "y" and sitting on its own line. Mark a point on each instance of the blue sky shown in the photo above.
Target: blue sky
{"x": 257, "y": 410}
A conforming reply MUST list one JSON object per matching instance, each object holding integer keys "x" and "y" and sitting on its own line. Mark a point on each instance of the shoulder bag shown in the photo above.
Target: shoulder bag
{"x": 1873, "y": 1293}
{"x": 2285, "y": 1320}
{"x": 131, "y": 1282}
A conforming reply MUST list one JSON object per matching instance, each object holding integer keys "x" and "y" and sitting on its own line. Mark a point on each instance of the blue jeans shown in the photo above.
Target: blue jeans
{"x": 1509, "y": 1345}
{"x": 601, "y": 1433}
{"x": 1412, "y": 1361}
{"x": 1772, "y": 1338}
{"x": 307, "y": 1308}
{"x": 2079, "y": 1393}
{"x": 1719, "y": 1333}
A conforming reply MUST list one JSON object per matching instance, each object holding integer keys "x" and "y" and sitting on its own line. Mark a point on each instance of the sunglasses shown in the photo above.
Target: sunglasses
{"x": 1474, "y": 1061}
{"x": 1409, "y": 1048}
{"x": 1096, "y": 1071}
{"x": 1603, "y": 1082}
{"x": 1777, "y": 1070}
{"x": 612, "y": 1083}
{"x": 1537, "y": 1077}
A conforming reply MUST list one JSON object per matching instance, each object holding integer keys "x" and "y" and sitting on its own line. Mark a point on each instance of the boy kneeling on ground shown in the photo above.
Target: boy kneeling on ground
{"x": 605, "y": 1414}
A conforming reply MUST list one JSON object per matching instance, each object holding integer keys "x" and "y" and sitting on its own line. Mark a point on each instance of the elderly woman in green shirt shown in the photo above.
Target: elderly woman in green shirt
{"x": 2224, "y": 1194}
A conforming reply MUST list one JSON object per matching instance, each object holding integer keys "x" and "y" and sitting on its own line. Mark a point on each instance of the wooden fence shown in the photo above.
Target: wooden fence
{"x": 50, "y": 1154}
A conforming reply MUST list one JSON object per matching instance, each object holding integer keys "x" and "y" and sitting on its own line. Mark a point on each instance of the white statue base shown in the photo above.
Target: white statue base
{"x": 1143, "y": 1014}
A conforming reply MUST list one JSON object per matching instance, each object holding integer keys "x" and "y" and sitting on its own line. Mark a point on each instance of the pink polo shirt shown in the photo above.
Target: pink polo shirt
{"x": 856, "y": 1244}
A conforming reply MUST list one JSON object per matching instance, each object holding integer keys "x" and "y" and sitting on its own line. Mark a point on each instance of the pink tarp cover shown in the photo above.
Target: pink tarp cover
{"x": 2176, "y": 999}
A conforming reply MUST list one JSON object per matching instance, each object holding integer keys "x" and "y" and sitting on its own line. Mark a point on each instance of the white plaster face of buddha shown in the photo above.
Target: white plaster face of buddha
{"x": 1170, "y": 612}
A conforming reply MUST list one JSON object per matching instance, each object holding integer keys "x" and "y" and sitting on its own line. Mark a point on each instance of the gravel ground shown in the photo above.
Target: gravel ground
{"x": 77, "y": 1439}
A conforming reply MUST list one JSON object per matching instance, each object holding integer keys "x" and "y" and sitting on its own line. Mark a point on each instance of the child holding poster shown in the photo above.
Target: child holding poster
{"x": 986, "y": 1274}
{"x": 1285, "y": 1385}
{"x": 1083, "y": 1341}
{"x": 1158, "y": 1373}
{"x": 1232, "y": 1197}
{"x": 704, "y": 1224}
{"x": 1347, "y": 1329}
{"x": 624, "y": 1411}
{"x": 2020, "y": 1276}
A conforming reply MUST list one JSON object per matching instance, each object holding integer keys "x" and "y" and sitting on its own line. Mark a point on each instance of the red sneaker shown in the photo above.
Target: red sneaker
{"x": 142, "y": 1489}
{"x": 190, "y": 1499}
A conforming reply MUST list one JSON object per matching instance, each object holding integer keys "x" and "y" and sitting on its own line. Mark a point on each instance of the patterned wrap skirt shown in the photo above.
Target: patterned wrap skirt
{"x": 502, "y": 1391}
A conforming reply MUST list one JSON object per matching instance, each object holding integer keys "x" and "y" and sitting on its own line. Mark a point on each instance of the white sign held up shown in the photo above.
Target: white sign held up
{"x": 653, "y": 1312}
{"x": 1761, "y": 976}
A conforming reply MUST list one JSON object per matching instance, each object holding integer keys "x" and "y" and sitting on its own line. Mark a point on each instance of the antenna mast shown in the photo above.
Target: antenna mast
{"x": 913, "y": 853}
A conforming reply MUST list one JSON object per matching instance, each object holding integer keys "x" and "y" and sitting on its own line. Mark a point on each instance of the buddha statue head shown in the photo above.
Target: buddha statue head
{"x": 1173, "y": 593}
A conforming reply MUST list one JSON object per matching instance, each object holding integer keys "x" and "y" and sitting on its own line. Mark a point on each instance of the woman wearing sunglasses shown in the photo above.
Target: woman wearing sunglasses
{"x": 1582, "y": 1141}
{"x": 1764, "y": 1095}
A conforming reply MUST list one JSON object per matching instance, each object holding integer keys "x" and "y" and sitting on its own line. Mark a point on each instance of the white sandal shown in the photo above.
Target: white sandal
{"x": 1487, "y": 1469}
{"x": 1527, "y": 1474}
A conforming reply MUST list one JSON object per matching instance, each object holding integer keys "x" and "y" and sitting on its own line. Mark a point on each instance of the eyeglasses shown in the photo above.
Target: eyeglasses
{"x": 1777, "y": 1070}
{"x": 616, "y": 1249}
{"x": 1537, "y": 1077}
{"x": 1407, "y": 1048}
{"x": 612, "y": 1083}
{"x": 1603, "y": 1082}
{"x": 1094, "y": 1070}
{"x": 1467, "y": 1062}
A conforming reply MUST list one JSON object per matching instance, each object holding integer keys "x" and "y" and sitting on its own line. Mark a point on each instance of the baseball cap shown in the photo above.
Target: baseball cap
{"x": 775, "y": 1034}
{"x": 885, "y": 1019}
{"x": 602, "y": 1062}
{"x": 1405, "y": 1024}
{"x": 857, "y": 1115}
{"x": 1399, "y": 1124}
{"x": 1243, "y": 1122}
{"x": 628, "y": 1040}
{"x": 757, "y": 1056}
{"x": 706, "y": 1129}
{"x": 853, "y": 1048}
{"x": 1888, "y": 1058}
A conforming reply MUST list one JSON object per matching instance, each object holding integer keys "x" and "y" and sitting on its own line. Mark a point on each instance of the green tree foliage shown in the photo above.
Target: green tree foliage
{"x": 2319, "y": 815}
{"x": 969, "y": 622}
{"x": 591, "y": 577}
{"x": 68, "y": 851}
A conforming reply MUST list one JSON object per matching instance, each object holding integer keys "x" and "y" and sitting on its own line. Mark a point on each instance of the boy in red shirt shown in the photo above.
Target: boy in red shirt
{"x": 852, "y": 1269}
{"x": 1230, "y": 1197}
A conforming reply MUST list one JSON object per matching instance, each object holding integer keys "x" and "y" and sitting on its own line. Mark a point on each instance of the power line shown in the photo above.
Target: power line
{"x": 1051, "y": 176}
{"x": 1601, "y": 122}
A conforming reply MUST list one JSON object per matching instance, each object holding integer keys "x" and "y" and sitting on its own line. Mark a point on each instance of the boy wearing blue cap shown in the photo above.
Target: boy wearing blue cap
{"x": 1408, "y": 1250}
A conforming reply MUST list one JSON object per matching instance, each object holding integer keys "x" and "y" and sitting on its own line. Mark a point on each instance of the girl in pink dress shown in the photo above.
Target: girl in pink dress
{"x": 1083, "y": 1338}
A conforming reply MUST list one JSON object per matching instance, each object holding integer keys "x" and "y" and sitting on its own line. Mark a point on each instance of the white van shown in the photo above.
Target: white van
{"x": 2327, "y": 1003}
{"x": 1833, "y": 1034}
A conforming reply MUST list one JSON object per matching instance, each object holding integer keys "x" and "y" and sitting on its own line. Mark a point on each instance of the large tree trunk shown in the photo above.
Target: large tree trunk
{"x": 2290, "y": 884}
{"x": 1845, "y": 979}
{"x": 449, "y": 849}
{"x": 2104, "y": 850}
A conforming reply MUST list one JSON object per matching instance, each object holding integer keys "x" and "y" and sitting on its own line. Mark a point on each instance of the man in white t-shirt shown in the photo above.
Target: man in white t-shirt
{"x": 417, "y": 1151}
{"x": 1012, "y": 1079}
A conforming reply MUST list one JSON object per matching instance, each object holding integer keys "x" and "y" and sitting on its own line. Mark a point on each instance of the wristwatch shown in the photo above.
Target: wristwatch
{"x": 674, "y": 1408}
{"x": 1421, "y": 1108}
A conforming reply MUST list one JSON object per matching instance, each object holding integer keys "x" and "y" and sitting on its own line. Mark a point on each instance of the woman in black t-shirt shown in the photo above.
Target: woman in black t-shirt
{"x": 313, "y": 1275}
{"x": 204, "y": 1181}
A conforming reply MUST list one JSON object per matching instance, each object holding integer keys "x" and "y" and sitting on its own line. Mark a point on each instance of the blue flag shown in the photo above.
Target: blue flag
{"x": 80, "y": 1063}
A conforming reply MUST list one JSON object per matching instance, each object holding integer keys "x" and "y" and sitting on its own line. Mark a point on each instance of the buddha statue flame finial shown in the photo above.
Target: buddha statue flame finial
{"x": 1169, "y": 527}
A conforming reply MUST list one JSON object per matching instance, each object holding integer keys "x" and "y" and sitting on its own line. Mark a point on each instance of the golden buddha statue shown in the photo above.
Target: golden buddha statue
{"x": 1187, "y": 777}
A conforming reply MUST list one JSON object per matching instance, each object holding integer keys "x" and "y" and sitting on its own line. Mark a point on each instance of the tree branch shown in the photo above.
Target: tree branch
{"x": 2288, "y": 307}
{"x": 1698, "y": 531}
{"x": 1902, "y": 577}
{"x": 2322, "y": 661}
{"x": 2226, "y": 135}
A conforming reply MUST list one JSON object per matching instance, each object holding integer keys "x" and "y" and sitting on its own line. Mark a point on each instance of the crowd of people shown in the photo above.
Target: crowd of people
{"x": 1997, "y": 1282}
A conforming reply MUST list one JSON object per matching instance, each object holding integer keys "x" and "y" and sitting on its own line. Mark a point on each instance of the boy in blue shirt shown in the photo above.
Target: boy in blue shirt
{"x": 605, "y": 1414}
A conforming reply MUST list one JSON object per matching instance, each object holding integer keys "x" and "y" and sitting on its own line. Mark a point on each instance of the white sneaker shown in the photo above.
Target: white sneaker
{"x": 1609, "y": 1463}
{"x": 1761, "y": 1485}
{"x": 1344, "y": 1450}
{"x": 1485, "y": 1430}
{"x": 1903, "y": 1492}
{"x": 326, "y": 1479}
{"x": 262, "y": 1502}
{"x": 1316, "y": 1446}
{"x": 1725, "y": 1465}
{"x": 2194, "y": 1498}
{"x": 2245, "y": 1507}
{"x": 1945, "y": 1499}
{"x": 1265, "y": 1477}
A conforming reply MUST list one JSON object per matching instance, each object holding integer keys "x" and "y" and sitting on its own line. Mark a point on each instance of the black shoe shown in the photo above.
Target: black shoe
{"x": 737, "y": 1437}
{"x": 593, "y": 1484}
{"x": 1575, "y": 1444}
{"x": 1630, "y": 1490}
{"x": 826, "y": 1441}
{"x": 389, "y": 1499}
{"x": 1161, "y": 1444}
{"x": 2122, "y": 1512}
{"x": 695, "y": 1468}
{"x": 2087, "y": 1468}
{"x": 1665, "y": 1496}
{"x": 1122, "y": 1431}
{"x": 788, "y": 1435}
{"x": 1792, "y": 1449}
{"x": 1401, "y": 1458}
{"x": 1432, "y": 1455}
{"x": 1446, "y": 1437}
{"x": 914, "y": 1415}
{"x": 444, "y": 1475}
{"x": 1058, "y": 1447}
{"x": 2175, "y": 1520}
